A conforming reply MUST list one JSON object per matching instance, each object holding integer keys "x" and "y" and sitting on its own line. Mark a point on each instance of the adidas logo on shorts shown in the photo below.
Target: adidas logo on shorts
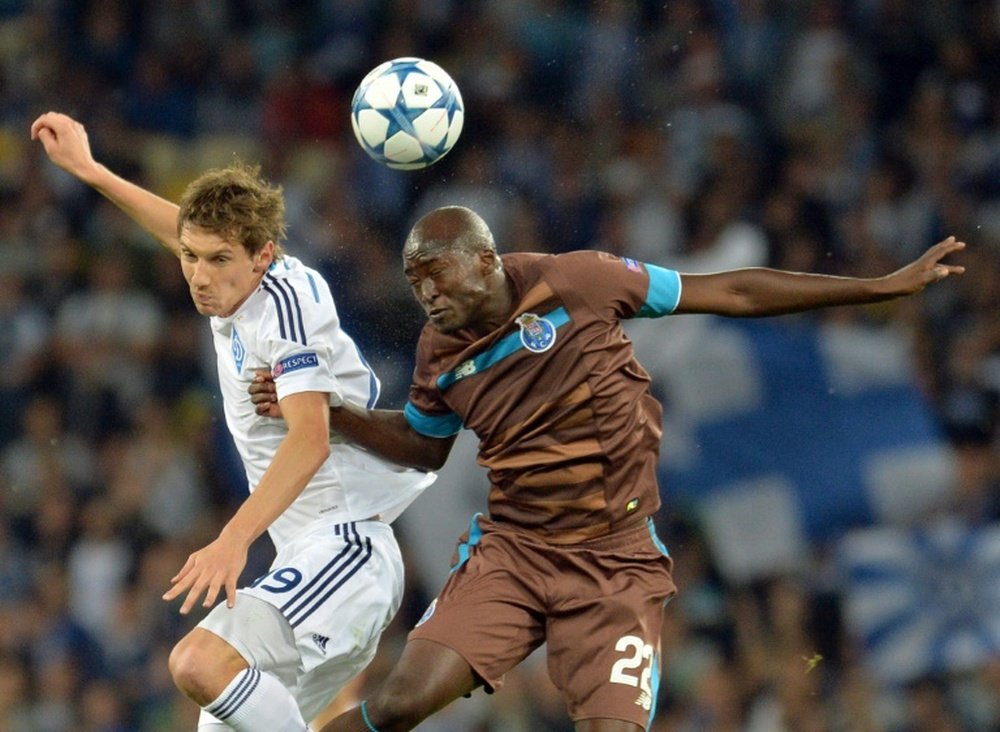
{"x": 321, "y": 641}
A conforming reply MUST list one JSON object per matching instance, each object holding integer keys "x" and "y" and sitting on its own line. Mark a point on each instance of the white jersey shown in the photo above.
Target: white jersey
{"x": 290, "y": 326}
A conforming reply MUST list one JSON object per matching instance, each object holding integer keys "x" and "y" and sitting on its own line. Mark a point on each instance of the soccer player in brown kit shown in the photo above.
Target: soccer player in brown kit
{"x": 527, "y": 350}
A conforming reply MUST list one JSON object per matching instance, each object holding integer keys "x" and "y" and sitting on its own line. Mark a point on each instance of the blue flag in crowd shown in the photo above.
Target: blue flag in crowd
{"x": 779, "y": 432}
{"x": 923, "y": 601}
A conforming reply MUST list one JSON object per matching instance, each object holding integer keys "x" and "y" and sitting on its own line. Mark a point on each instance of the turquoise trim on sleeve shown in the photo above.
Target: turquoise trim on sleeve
{"x": 664, "y": 292}
{"x": 444, "y": 425}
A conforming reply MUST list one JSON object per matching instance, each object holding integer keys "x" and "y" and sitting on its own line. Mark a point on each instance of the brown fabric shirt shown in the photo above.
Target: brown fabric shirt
{"x": 568, "y": 429}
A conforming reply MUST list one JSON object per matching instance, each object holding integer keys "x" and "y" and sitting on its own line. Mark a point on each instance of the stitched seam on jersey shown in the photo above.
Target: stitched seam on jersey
{"x": 506, "y": 346}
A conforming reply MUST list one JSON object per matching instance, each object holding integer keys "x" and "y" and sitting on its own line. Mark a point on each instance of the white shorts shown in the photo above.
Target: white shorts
{"x": 315, "y": 618}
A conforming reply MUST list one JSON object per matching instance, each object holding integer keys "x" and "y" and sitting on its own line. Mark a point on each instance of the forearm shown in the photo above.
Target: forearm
{"x": 755, "y": 292}
{"x": 295, "y": 462}
{"x": 68, "y": 146}
{"x": 387, "y": 434}
{"x": 759, "y": 291}
{"x": 156, "y": 215}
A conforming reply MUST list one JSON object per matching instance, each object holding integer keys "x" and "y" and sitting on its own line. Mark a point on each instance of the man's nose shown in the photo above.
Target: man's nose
{"x": 199, "y": 275}
{"x": 427, "y": 290}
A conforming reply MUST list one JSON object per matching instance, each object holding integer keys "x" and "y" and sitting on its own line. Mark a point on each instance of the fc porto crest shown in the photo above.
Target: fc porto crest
{"x": 239, "y": 352}
{"x": 537, "y": 333}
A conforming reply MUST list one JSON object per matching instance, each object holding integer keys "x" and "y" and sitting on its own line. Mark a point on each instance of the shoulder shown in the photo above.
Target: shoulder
{"x": 289, "y": 279}
{"x": 575, "y": 266}
{"x": 564, "y": 260}
{"x": 295, "y": 302}
{"x": 524, "y": 262}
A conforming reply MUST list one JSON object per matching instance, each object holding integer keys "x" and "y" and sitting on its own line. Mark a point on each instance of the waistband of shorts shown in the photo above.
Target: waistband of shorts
{"x": 625, "y": 533}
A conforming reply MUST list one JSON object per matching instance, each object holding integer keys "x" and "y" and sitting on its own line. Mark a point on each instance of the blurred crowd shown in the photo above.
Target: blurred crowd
{"x": 837, "y": 136}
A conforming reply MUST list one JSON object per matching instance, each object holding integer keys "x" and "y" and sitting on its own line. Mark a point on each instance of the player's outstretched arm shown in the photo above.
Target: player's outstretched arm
{"x": 759, "y": 291}
{"x": 384, "y": 432}
{"x": 66, "y": 143}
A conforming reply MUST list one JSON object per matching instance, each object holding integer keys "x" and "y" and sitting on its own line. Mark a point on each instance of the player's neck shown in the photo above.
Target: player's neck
{"x": 497, "y": 307}
{"x": 252, "y": 290}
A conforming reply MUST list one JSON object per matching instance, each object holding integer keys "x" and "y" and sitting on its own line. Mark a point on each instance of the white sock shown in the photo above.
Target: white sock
{"x": 256, "y": 701}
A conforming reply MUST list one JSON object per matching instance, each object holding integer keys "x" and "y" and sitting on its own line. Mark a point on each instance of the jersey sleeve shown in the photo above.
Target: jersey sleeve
{"x": 621, "y": 287}
{"x": 663, "y": 294}
{"x": 425, "y": 410}
{"x": 294, "y": 334}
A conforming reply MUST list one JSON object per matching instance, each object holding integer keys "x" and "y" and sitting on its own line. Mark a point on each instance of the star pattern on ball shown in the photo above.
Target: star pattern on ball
{"x": 395, "y": 121}
{"x": 401, "y": 117}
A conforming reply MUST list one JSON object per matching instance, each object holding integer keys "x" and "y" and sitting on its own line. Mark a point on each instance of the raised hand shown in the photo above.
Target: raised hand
{"x": 66, "y": 143}
{"x": 927, "y": 269}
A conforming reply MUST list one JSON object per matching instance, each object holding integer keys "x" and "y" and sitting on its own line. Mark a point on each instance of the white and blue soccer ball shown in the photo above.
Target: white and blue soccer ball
{"x": 407, "y": 113}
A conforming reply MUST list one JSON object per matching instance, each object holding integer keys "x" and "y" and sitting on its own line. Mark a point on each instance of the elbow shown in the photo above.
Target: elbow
{"x": 439, "y": 457}
{"x": 744, "y": 305}
{"x": 435, "y": 465}
{"x": 433, "y": 454}
{"x": 424, "y": 463}
{"x": 323, "y": 452}
{"x": 318, "y": 453}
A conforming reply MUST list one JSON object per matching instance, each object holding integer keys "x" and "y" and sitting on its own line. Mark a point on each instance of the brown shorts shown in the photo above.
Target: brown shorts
{"x": 598, "y": 605}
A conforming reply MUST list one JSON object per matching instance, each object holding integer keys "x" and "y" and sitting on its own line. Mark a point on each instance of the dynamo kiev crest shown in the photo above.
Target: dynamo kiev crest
{"x": 239, "y": 352}
{"x": 537, "y": 333}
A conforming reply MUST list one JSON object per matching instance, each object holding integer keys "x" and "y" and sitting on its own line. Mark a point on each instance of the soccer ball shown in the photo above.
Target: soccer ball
{"x": 407, "y": 113}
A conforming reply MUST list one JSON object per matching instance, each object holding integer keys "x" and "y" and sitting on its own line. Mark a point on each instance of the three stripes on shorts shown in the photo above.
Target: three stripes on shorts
{"x": 356, "y": 552}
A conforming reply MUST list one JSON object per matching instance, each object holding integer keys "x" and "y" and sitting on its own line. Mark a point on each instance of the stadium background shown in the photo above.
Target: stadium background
{"x": 831, "y": 480}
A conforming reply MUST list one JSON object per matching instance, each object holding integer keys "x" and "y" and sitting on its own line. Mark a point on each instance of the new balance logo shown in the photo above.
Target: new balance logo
{"x": 321, "y": 641}
{"x": 645, "y": 700}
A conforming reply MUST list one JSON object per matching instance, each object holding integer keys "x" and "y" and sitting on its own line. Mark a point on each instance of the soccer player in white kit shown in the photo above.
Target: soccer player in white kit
{"x": 275, "y": 653}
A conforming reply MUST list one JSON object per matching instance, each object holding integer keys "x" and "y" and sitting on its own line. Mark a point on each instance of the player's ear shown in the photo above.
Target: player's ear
{"x": 264, "y": 257}
{"x": 489, "y": 260}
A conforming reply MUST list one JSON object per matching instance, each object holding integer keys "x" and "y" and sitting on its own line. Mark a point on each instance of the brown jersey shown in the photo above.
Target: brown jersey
{"x": 568, "y": 429}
